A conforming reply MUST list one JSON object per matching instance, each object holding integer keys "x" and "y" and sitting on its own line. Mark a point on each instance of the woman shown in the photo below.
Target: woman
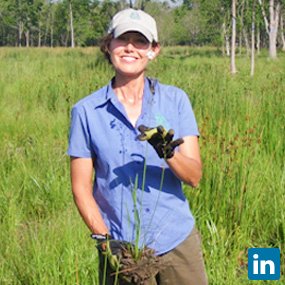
{"x": 120, "y": 132}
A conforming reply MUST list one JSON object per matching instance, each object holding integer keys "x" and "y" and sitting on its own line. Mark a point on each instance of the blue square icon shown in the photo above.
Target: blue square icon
{"x": 263, "y": 263}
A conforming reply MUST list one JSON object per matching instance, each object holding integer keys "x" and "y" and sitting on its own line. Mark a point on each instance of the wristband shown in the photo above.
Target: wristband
{"x": 100, "y": 237}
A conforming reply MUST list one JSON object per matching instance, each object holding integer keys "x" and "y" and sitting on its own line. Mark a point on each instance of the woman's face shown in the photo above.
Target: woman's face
{"x": 128, "y": 53}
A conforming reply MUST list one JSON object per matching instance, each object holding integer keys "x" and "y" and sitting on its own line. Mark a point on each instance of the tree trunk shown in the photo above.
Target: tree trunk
{"x": 27, "y": 36}
{"x": 274, "y": 20}
{"x": 39, "y": 39}
{"x": 32, "y": 43}
{"x": 242, "y": 27}
{"x": 51, "y": 28}
{"x": 252, "y": 64}
{"x": 245, "y": 36}
{"x": 51, "y": 34}
{"x": 258, "y": 40}
{"x": 225, "y": 40}
{"x": 71, "y": 25}
{"x": 228, "y": 50}
{"x": 140, "y": 4}
{"x": 39, "y": 35}
{"x": 282, "y": 32}
{"x": 233, "y": 45}
{"x": 264, "y": 17}
{"x": 240, "y": 42}
{"x": 20, "y": 32}
{"x": 46, "y": 33}
{"x": 48, "y": 23}
{"x": 66, "y": 39}
{"x": 272, "y": 26}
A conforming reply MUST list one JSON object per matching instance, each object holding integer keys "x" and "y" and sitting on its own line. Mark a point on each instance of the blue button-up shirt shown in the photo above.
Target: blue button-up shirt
{"x": 139, "y": 196}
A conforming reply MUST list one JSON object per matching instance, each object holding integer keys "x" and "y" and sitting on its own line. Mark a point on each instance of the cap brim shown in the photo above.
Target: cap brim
{"x": 127, "y": 27}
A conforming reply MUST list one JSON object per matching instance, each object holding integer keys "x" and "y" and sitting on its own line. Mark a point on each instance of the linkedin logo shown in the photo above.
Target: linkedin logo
{"x": 264, "y": 263}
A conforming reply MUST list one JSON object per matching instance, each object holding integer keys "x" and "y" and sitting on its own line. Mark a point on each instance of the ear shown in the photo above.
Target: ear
{"x": 155, "y": 51}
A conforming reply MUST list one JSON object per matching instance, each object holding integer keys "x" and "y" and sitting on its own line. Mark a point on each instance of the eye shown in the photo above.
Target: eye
{"x": 138, "y": 41}
{"x": 141, "y": 42}
{"x": 123, "y": 38}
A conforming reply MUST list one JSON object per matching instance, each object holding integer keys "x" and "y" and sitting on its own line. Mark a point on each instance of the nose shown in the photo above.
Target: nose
{"x": 129, "y": 45}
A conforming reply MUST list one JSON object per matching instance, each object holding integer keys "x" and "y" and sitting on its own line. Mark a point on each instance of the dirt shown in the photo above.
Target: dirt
{"x": 138, "y": 271}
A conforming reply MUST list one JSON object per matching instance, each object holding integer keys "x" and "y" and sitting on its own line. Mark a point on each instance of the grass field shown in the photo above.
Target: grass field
{"x": 239, "y": 203}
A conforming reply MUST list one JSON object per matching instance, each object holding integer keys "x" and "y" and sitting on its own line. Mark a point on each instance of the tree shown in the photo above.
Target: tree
{"x": 215, "y": 23}
{"x": 233, "y": 45}
{"x": 252, "y": 65}
{"x": 271, "y": 25}
{"x": 27, "y": 20}
{"x": 8, "y": 23}
{"x": 191, "y": 22}
{"x": 244, "y": 16}
{"x": 282, "y": 31}
{"x": 71, "y": 24}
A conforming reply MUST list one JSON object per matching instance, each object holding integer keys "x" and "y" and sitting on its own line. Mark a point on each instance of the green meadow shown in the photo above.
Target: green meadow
{"x": 239, "y": 204}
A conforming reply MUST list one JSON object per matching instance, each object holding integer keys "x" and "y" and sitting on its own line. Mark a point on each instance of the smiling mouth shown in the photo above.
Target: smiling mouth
{"x": 129, "y": 58}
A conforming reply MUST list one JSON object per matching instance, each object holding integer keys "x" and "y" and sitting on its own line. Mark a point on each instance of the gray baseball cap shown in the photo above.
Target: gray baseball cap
{"x": 134, "y": 20}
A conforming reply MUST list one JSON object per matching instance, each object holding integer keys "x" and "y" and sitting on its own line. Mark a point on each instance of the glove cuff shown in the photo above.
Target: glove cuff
{"x": 100, "y": 237}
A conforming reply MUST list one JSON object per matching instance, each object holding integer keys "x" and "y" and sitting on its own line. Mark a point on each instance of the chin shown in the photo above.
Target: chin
{"x": 130, "y": 69}
{"x": 130, "y": 73}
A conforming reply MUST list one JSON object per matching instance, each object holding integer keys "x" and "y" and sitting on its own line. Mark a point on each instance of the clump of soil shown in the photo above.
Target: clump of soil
{"x": 138, "y": 271}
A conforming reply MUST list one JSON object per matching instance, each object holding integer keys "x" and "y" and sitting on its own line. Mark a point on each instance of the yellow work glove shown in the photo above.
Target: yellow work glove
{"x": 161, "y": 140}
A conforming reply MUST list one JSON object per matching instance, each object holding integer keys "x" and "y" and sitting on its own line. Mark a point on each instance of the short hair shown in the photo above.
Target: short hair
{"x": 104, "y": 46}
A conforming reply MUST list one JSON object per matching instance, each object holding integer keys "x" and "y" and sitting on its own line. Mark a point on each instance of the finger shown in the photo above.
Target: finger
{"x": 161, "y": 130}
{"x": 143, "y": 128}
{"x": 176, "y": 143}
{"x": 142, "y": 137}
{"x": 169, "y": 136}
{"x": 103, "y": 246}
{"x": 148, "y": 134}
{"x": 159, "y": 150}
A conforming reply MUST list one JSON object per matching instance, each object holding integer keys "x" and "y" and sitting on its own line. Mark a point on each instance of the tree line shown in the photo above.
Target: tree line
{"x": 240, "y": 23}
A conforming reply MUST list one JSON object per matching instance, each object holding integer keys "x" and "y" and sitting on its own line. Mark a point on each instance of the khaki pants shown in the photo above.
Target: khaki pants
{"x": 184, "y": 265}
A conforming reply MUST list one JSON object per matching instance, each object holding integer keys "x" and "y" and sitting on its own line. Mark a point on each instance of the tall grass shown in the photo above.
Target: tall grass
{"x": 240, "y": 200}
